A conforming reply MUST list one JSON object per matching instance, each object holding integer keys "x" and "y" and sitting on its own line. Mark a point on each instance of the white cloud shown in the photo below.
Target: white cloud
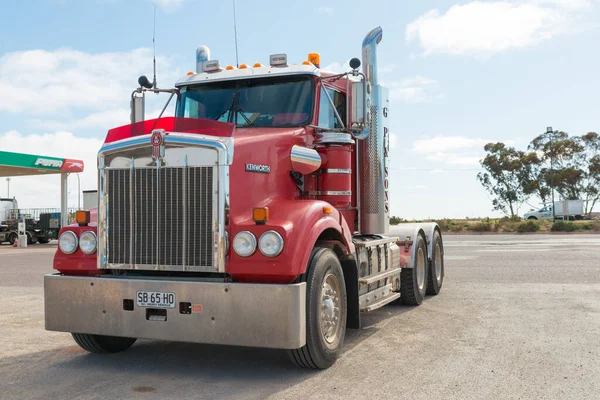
{"x": 488, "y": 27}
{"x": 40, "y": 82}
{"x": 325, "y": 10}
{"x": 169, "y": 5}
{"x": 452, "y": 150}
{"x": 44, "y": 191}
{"x": 416, "y": 188}
{"x": 100, "y": 121}
{"x": 413, "y": 90}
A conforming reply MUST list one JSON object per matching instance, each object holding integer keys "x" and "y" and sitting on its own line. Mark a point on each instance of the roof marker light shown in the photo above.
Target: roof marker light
{"x": 278, "y": 60}
{"x": 212, "y": 66}
{"x": 258, "y": 65}
{"x": 243, "y": 66}
{"x": 230, "y": 67}
{"x": 315, "y": 58}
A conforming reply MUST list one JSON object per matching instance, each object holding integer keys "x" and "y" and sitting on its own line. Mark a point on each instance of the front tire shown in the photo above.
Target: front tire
{"x": 413, "y": 281}
{"x": 326, "y": 310}
{"x": 102, "y": 344}
{"x": 533, "y": 218}
{"x": 436, "y": 272}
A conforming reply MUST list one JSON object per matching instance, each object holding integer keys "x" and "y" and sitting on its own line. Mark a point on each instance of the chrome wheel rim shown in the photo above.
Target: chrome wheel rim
{"x": 421, "y": 269}
{"x": 329, "y": 309}
{"x": 438, "y": 262}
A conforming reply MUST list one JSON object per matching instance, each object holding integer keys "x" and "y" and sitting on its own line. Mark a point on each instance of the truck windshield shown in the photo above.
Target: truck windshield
{"x": 259, "y": 102}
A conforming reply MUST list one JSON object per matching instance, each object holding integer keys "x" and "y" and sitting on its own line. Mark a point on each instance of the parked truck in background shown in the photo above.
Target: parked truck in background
{"x": 10, "y": 215}
{"x": 565, "y": 209}
{"x": 257, "y": 216}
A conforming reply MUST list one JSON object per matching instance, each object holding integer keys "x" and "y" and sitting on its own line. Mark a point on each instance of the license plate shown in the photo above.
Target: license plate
{"x": 155, "y": 299}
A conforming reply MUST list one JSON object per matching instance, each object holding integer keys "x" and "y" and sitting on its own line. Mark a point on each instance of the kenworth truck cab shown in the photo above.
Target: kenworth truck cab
{"x": 256, "y": 216}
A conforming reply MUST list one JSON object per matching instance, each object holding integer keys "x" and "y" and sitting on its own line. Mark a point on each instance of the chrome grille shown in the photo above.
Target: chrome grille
{"x": 160, "y": 218}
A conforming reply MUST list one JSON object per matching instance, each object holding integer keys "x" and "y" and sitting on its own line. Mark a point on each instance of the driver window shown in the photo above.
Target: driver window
{"x": 327, "y": 118}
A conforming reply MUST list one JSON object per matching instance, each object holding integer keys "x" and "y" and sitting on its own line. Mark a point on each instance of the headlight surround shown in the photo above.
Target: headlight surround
{"x": 67, "y": 243}
{"x": 244, "y": 244}
{"x": 270, "y": 244}
{"x": 88, "y": 242}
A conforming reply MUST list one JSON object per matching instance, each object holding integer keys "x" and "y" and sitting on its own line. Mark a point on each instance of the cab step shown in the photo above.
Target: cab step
{"x": 377, "y": 298}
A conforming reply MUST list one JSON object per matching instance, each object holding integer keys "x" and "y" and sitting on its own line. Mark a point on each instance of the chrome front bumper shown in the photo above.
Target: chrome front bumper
{"x": 255, "y": 315}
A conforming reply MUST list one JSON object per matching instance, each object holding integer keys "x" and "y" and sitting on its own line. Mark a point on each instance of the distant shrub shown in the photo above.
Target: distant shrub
{"x": 396, "y": 220}
{"x": 445, "y": 224}
{"x": 596, "y": 226}
{"x": 528, "y": 226}
{"x": 456, "y": 228}
{"x": 481, "y": 226}
{"x": 563, "y": 226}
{"x": 586, "y": 226}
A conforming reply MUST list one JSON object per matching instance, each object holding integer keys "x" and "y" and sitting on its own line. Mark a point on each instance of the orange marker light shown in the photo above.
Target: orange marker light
{"x": 82, "y": 217}
{"x": 260, "y": 215}
{"x": 243, "y": 66}
{"x": 307, "y": 63}
{"x": 190, "y": 73}
{"x": 327, "y": 210}
{"x": 230, "y": 67}
{"x": 258, "y": 65}
{"x": 315, "y": 58}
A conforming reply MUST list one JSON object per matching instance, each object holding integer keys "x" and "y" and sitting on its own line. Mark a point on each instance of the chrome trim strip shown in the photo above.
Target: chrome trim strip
{"x": 334, "y": 171}
{"x": 330, "y": 193}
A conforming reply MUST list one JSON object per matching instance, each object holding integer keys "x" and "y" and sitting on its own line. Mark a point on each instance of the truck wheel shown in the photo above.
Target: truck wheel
{"x": 44, "y": 240}
{"x": 436, "y": 273}
{"x": 532, "y": 218}
{"x": 325, "y": 311}
{"x": 413, "y": 281}
{"x": 31, "y": 238}
{"x": 102, "y": 344}
{"x": 12, "y": 238}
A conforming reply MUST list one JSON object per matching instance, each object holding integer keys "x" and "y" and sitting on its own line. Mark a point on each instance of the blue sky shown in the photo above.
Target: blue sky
{"x": 461, "y": 73}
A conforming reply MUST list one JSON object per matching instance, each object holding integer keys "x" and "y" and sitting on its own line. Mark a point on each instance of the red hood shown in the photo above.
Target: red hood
{"x": 171, "y": 124}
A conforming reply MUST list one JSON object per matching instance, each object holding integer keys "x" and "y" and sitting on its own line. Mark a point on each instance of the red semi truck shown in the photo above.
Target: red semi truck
{"x": 257, "y": 216}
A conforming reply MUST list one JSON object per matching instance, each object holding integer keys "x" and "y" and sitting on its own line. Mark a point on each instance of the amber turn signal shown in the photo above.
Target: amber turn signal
{"x": 260, "y": 215}
{"x": 327, "y": 210}
{"x": 82, "y": 217}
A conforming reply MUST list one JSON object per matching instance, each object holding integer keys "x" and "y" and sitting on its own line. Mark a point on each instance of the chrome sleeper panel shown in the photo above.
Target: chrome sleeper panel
{"x": 255, "y": 315}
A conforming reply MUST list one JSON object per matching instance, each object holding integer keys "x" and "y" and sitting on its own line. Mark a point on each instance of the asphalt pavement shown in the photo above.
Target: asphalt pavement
{"x": 518, "y": 318}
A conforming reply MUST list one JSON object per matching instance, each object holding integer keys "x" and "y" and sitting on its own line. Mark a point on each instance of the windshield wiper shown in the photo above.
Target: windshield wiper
{"x": 235, "y": 109}
{"x": 230, "y": 108}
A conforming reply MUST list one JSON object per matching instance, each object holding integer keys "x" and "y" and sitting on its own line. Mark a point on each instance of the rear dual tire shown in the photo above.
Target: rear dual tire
{"x": 436, "y": 272}
{"x": 100, "y": 344}
{"x": 414, "y": 281}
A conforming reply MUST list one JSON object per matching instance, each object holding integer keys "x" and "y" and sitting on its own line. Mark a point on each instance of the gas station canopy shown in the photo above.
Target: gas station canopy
{"x": 20, "y": 164}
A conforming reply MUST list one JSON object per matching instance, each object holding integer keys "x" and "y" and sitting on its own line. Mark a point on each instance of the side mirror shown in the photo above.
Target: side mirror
{"x": 358, "y": 121}
{"x": 358, "y": 116}
{"x": 137, "y": 107}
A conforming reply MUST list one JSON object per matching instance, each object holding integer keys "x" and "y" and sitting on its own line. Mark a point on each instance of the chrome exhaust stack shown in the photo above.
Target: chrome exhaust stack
{"x": 373, "y": 150}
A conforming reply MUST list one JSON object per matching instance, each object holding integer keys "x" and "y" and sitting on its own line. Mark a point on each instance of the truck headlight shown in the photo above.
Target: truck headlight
{"x": 244, "y": 244}
{"x": 270, "y": 244}
{"x": 88, "y": 242}
{"x": 67, "y": 242}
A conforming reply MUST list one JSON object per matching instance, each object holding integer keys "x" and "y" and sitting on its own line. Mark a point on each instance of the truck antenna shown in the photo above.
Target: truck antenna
{"x": 154, "y": 48}
{"x": 237, "y": 63}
